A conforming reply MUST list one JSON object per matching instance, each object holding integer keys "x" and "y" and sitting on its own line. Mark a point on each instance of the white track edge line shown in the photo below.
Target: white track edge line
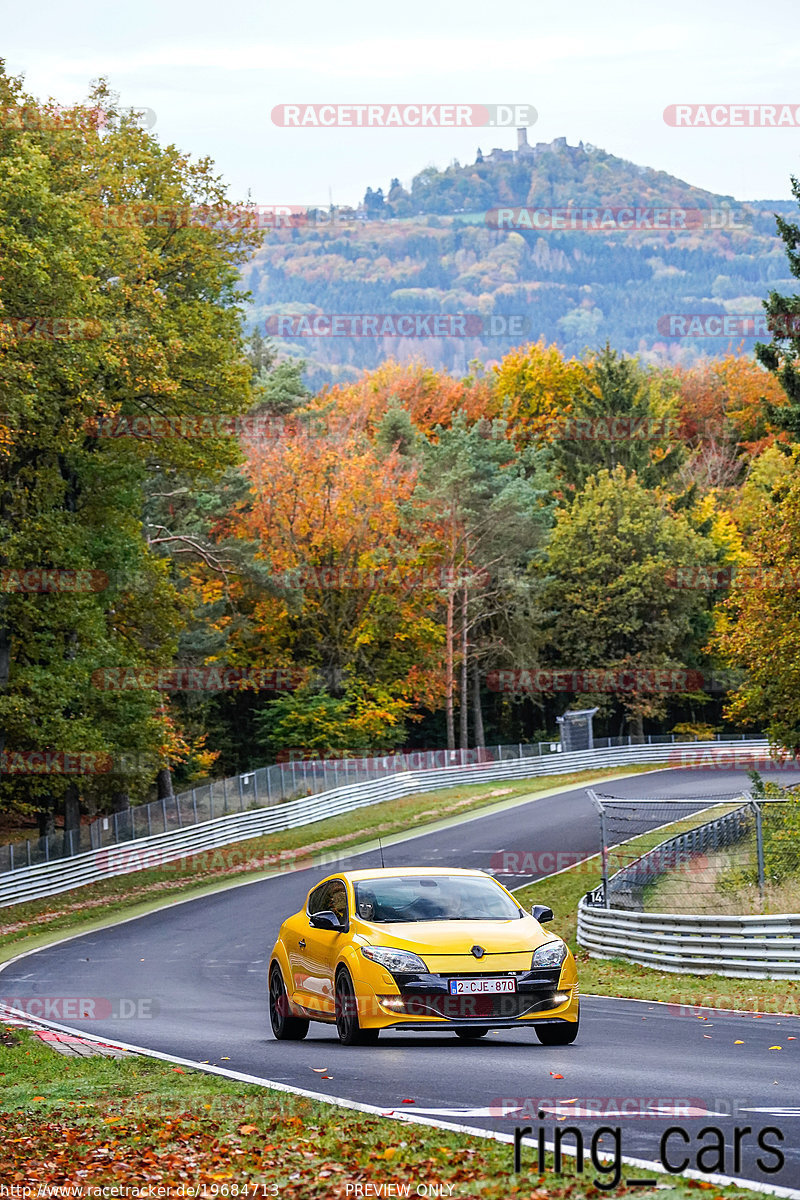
{"x": 409, "y": 1118}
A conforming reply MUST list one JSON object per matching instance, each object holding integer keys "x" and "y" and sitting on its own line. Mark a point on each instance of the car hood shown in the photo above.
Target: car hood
{"x": 457, "y": 937}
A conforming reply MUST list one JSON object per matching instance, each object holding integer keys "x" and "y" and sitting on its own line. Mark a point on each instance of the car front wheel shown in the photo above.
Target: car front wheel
{"x": 347, "y": 1026}
{"x": 562, "y": 1034}
{"x": 285, "y": 1027}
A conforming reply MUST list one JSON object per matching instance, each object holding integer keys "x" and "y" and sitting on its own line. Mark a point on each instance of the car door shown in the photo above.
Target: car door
{"x": 318, "y": 949}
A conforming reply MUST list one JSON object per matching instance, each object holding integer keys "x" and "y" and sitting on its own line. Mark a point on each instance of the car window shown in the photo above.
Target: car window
{"x": 316, "y": 899}
{"x": 330, "y": 896}
{"x": 337, "y": 900}
{"x": 433, "y": 898}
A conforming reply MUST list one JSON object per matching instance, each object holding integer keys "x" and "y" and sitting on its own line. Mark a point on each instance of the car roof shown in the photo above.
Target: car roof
{"x": 405, "y": 872}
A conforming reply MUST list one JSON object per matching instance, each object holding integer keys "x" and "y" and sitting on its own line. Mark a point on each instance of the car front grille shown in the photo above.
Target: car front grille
{"x": 471, "y": 1008}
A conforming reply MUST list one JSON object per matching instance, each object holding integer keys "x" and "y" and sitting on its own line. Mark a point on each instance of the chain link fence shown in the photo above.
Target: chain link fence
{"x": 275, "y": 784}
{"x": 726, "y": 855}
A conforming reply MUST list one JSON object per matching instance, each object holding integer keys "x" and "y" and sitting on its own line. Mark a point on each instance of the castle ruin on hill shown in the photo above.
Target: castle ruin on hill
{"x": 524, "y": 151}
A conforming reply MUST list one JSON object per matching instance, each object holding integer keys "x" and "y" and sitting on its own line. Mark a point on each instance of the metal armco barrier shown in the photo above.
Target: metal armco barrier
{"x": 48, "y": 879}
{"x": 738, "y": 947}
{"x": 263, "y": 787}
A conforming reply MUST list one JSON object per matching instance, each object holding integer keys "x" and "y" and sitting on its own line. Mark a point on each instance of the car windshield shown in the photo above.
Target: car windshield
{"x": 433, "y": 898}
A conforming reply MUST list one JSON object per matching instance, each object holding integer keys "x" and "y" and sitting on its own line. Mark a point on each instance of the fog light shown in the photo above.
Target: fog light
{"x": 393, "y": 1003}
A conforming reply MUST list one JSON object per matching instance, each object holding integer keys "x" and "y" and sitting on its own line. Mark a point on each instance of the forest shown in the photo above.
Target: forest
{"x": 439, "y": 248}
{"x": 210, "y": 563}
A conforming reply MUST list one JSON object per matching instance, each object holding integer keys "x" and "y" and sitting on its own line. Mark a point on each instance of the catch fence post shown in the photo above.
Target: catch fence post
{"x": 759, "y": 849}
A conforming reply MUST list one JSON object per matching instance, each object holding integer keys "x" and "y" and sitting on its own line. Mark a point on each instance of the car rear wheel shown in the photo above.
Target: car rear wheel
{"x": 469, "y": 1035}
{"x": 562, "y": 1034}
{"x": 285, "y": 1027}
{"x": 347, "y": 1026}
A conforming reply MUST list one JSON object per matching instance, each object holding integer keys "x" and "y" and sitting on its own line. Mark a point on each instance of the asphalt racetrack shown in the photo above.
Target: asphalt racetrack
{"x": 200, "y": 967}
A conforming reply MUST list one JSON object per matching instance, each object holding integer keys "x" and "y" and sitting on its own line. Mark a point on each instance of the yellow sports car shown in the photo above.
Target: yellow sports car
{"x": 420, "y": 949}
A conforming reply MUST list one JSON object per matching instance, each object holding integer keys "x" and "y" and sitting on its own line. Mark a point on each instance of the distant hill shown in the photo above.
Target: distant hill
{"x": 565, "y": 262}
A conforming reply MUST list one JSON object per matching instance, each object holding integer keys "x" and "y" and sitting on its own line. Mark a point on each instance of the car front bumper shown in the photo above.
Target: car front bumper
{"x": 425, "y": 1002}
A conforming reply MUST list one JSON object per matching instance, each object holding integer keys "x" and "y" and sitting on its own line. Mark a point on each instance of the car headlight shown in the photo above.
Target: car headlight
{"x": 394, "y": 960}
{"x": 551, "y": 954}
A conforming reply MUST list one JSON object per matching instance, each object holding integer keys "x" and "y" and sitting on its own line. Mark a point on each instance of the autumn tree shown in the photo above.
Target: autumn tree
{"x": 758, "y": 628}
{"x": 342, "y": 603}
{"x": 610, "y": 600}
{"x": 484, "y": 507}
{"x": 107, "y": 314}
{"x": 429, "y": 397}
{"x": 724, "y": 418}
{"x": 534, "y": 387}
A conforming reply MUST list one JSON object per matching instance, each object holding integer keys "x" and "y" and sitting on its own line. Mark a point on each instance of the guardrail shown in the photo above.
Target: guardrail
{"x": 737, "y": 947}
{"x": 266, "y": 786}
{"x": 47, "y": 879}
{"x": 259, "y": 788}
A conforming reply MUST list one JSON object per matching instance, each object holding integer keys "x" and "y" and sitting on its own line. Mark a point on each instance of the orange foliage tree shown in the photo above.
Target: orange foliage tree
{"x": 429, "y": 397}
{"x": 342, "y": 603}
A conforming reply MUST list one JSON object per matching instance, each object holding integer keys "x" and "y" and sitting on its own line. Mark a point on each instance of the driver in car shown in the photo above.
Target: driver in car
{"x": 367, "y": 906}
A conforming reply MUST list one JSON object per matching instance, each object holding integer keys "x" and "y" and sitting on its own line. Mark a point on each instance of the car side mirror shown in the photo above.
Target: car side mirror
{"x": 326, "y": 919}
{"x": 541, "y": 913}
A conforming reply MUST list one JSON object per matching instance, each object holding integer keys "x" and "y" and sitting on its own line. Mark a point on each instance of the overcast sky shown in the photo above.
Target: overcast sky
{"x": 601, "y": 72}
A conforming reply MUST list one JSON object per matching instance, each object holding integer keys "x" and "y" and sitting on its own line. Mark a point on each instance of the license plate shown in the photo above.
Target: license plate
{"x": 481, "y": 987}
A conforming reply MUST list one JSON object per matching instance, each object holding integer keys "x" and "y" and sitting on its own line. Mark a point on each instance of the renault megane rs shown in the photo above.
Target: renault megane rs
{"x": 420, "y": 949}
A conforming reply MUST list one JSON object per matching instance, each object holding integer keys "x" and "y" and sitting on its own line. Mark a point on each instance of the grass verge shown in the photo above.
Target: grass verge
{"x": 138, "y": 1123}
{"x": 27, "y": 925}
